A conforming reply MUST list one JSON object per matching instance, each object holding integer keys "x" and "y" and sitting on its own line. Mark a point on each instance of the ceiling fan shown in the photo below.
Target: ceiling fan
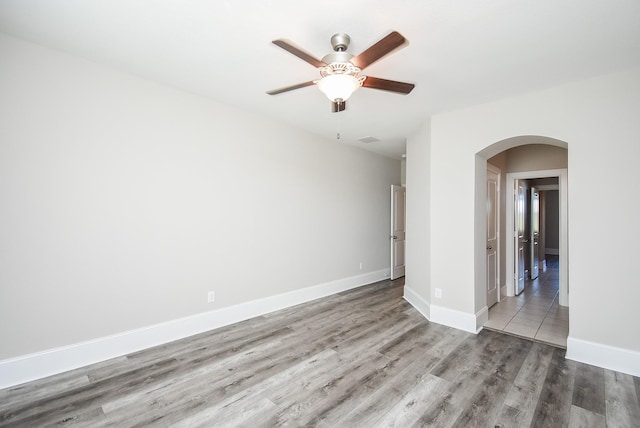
{"x": 340, "y": 70}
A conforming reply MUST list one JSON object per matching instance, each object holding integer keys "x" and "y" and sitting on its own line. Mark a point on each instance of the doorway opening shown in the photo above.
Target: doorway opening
{"x": 530, "y": 160}
{"x": 534, "y": 306}
{"x": 517, "y": 184}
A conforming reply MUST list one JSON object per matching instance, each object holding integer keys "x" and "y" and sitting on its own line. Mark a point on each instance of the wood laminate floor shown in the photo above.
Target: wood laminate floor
{"x": 361, "y": 358}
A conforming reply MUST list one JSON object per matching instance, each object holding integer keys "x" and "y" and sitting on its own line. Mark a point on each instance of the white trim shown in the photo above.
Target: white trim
{"x": 446, "y": 316}
{"x": 482, "y": 316}
{"x": 417, "y": 302}
{"x": 503, "y": 291}
{"x": 605, "y": 356}
{"x": 29, "y": 367}
{"x": 494, "y": 169}
{"x": 453, "y": 318}
{"x": 563, "y": 233}
{"x": 547, "y": 187}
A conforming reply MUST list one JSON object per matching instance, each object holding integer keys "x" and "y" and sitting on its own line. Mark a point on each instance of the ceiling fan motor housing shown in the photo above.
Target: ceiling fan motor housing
{"x": 340, "y": 42}
{"x": 337, "y": 57}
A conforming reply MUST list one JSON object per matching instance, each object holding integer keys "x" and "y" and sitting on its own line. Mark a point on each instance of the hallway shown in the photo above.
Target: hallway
{"x": 535, "y": 313}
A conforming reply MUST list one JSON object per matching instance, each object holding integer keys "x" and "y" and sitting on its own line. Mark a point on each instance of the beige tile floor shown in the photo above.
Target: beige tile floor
{"x": 535, "y": 313}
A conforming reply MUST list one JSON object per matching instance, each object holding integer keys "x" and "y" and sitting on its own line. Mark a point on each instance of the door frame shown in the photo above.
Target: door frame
{"x": 399, "y": 273}
{"x": 520, "y": 190}
{"x": 498, "y": 172}
{"x": 512, "y": 178}
{"x": 534, "y": 249}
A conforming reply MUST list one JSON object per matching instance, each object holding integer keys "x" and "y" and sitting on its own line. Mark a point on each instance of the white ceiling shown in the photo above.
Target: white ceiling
{"x": 460, "y": 52}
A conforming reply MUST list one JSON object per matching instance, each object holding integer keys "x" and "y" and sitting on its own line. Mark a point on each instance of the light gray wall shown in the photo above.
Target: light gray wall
{"x": 552, "y": 240}
{"x": 124, "y": 202}
{"x": 536, "y": 157}
{"x": 418, "y": 242}
{"x": 597, "y": 117}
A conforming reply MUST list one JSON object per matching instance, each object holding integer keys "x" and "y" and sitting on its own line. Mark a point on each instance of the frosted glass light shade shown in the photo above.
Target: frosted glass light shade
{"x": 338, "y": 86}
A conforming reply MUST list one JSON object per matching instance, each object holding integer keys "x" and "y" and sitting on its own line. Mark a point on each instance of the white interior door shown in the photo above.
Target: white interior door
{"x": 493, "y": 231}
{"x": 397, "y": 231}
{"x": 520, "y": 238}
{"x": 535, "y": 232}
{"x": 511, "y": 226}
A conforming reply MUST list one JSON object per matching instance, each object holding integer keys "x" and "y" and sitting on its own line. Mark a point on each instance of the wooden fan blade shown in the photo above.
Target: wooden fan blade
{"x": 388, "y": 85}
{"x": 337, "y": 107}
{"x": 299, "y": 52}
{"x": 385, "y": 46}
{"x": 290, "y": 88}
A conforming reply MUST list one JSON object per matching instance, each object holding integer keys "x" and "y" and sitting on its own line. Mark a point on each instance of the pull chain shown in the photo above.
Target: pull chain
{"x": 337, "y": 126}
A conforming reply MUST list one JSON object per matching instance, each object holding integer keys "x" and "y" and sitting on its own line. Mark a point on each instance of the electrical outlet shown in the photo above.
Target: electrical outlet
{"x": 211, "y": 296}
{"x": 438, "y": 293}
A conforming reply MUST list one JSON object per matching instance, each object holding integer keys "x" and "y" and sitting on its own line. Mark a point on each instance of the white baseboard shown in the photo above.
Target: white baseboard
{"x": 446, "y": 316}
{"x": 417, "y": 302}
{"x": 605, "y": 356}
{"x": 503, "y": 291}
{"x": 29, "y": 367}
{"x": 482, "y": 316}
{"x": 453, "y": 318}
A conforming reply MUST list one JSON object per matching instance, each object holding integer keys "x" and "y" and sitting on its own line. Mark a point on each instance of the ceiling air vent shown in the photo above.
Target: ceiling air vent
{"x": 368, "y": 139}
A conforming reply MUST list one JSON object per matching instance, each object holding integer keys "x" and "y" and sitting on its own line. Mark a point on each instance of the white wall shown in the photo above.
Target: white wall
{"x": 124, "y": 202}
{"x": 418, "y": 239}
{"x": 598, "y": 118}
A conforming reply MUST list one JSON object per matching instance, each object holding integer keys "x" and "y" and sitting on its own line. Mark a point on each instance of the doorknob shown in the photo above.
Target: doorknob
{"x": 394, "y": 237}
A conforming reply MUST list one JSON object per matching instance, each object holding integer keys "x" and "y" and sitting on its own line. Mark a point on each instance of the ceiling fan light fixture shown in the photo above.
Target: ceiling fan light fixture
{"x": 340, "y": 70}
{"x": 338, "y": 87}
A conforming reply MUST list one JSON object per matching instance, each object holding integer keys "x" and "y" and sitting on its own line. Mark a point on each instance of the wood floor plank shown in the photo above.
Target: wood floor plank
{"x": 468, "y": 366}
{"x": 299, "y": 382}
{"x": 486, "y": 403}
{"x": 588, "y": 389}
{"x": 583, "y": 418}
{"x": 66, "y": 406}
{"x": 195, "y": 393}
{"x": 180, "y": 384}
{"x": 403, "y": 394}
{"x": 363, "y": 357}
{"x": 554, "y": 404}
{"x": 288, "y": 382}
{"x": 511, "y": 417}
{"x": 481, "y": 348}
{"x": 360, "y": 381}
{"x": 51, "y": 386}
{"x": 12, "y": 397}
{"x": 346, "y": 385}
{"x": 408, "y": 409}
{"x": 522, "y": 400}
{"x": 622, "y": 409}
{"x": 232, "y": 415}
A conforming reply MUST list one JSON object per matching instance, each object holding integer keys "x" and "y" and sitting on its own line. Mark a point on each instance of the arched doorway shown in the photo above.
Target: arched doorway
{"x": 532, "y": 167}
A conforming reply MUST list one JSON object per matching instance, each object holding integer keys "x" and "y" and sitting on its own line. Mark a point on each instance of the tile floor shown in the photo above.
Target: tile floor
{"x": 535, "y": 313}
